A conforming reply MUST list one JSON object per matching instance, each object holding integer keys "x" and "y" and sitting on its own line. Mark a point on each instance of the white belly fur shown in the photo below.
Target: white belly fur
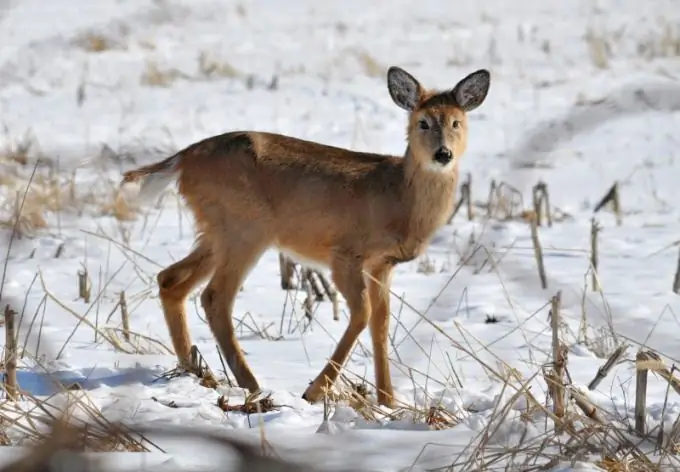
{"x": 303, "y": 261}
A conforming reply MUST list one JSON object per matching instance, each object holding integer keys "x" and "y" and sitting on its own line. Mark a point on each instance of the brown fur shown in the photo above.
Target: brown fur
{"x": 357, "y": 213}
{"x": 137, "y": 174}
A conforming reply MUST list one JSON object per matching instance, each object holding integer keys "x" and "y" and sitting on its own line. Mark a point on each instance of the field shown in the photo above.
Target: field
{"x": 584, "y": 95}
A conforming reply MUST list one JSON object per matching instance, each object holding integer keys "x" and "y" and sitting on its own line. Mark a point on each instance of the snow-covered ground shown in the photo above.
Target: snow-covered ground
{"x": 140, "y": 74}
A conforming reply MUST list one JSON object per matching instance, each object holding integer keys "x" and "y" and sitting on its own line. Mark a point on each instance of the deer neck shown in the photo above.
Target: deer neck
{"x": 428, "y": 198}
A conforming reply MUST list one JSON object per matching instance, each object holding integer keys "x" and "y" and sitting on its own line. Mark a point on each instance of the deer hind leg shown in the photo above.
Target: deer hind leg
{"x": 175, "y": 283}
{"x": 348, "y": 277}
{"x": 236, "y": 258}
{"x": 378, "y": 288}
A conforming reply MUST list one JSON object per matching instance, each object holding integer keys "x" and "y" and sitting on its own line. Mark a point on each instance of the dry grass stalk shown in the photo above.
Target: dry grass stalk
{"x": 17, "y": 151}
{"x": 332, "y": 295}
{"x": 212, "y": 67}
{"x": 14, "y": 232}
{"x": 314, "y": 286}
{"x": 594, "y": 231}
{"x": 541, "y": 201}
{"x": 287, "y": 269}
{"x": 368, "y": 63}
{"x": 467, "y": 188}
{"x": 490, "y": 200}
{"x": 599, "y": 48}
{"x": 356, "y": 396}
{"x": 638, "y": 464}
{"x": 96, "y": 433}
{"x": 512, "y": 204}
{"x": 325, "y": 292}
{"x": 649, "y": 360}
{"x": 439, "y": 418}
{"x": 604, "y": 370}
{"x": 611, "y": 197}
{"x": 664, "y": 43}
{"x": 309, "y": 284}
{"x": 125, "y": 316}
{"x": 151, "y": 346}
{"x": 676, "y": 279}
{"x": 556, "y": 387}
{"x": 443, "y": 418}
{"x": 538, "y": 251}
{"x": 586, "y": 406}
{"x": 672, "y": 439}
{"x": 98, "y": 42}
{"x": 465, "y": 198}
{"x": 641, "y": 394}
{"x": 199, "y": 364}
{"x": 250, "y": 406}
{"x": 95, "y": 43}
{"x": 26, "y": 216}
{"x": 82, "y": 319}
{"x": 4, "y": 438}
{"x": 308, "y": 304}
{"x": 84, "y": 287}
{"x": 154, "y": 76}
{"x": 119, "y": 207}
{"x": 10, "y": 377}
{"x": 90, "y": 430}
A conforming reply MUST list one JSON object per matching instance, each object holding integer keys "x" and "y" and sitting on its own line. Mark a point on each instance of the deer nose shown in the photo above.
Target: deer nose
{"x": 443, "y": 155}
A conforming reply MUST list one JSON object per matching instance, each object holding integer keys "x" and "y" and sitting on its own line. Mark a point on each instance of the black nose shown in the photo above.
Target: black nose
{"x": 443, "y": 155}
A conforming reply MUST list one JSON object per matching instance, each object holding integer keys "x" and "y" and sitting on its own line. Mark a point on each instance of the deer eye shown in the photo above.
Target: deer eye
{"x": 456, "y": 124}
{"x": 423, "y": 124}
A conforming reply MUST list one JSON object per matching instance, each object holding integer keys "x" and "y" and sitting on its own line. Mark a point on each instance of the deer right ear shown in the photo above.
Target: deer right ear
{"x": 472, "y": 90}
{"x": 404, "y": 88}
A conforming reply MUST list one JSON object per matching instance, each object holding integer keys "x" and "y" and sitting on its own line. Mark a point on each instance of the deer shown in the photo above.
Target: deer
{"x": 358, "y": 214}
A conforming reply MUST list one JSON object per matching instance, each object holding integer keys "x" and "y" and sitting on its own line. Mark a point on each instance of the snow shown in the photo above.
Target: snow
{"x": 329, "y": 60}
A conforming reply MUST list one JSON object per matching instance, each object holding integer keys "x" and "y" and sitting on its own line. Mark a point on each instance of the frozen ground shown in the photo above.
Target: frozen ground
{"x": 134, "y": 74}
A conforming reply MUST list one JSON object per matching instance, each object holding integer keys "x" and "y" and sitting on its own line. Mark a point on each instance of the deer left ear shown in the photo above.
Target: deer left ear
{"x": 471, "y": 91}
{"x": 404, "y": 88}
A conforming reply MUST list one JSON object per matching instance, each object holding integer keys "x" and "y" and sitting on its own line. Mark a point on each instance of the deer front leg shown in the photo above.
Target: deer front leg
{"x": 379, "y": 290}
{"x": 347, "y": 273}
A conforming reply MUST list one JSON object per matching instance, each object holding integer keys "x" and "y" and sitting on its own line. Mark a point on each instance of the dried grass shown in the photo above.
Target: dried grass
{"x": 210, "y": 66}
{"x": 662, "y": 41}
{"x": 97, "y": 42}
{"x": 155, "y": 76}
{"x": 252, "y": 404}
{"x": 366, "y": 63}
{"x": 62, "y": 444}
{"x": 92, "y": 189}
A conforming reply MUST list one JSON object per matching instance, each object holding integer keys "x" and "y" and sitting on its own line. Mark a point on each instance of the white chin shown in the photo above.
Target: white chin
{"x": 434, "y": 166}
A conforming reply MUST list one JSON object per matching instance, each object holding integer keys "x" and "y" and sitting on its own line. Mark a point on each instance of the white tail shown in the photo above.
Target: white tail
{"x": 154, "y": 184}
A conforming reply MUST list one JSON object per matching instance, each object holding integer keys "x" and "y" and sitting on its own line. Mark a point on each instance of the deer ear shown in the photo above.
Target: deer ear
{"x": 404, "y": 89}
{"x": 471, "y": 91}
